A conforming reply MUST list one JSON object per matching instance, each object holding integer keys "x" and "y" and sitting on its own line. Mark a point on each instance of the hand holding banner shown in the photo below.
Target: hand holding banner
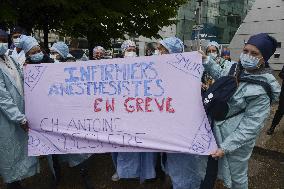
{"x": 118, "y": 105}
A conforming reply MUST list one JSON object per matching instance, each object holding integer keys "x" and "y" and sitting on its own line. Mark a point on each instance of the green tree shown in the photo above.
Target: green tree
{"x": 101, "y": 21}
{"x": 98, "y": 20}
{"x": 44, "y": 15}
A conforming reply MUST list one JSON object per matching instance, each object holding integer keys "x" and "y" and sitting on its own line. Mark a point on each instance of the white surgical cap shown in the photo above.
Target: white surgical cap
{"x": 173, "y": 44}
{"x": 27, "y": 43}
{"x": 99, "y": 48}
{"x": 126, "y": 44}
{"x": 61, "y": 48}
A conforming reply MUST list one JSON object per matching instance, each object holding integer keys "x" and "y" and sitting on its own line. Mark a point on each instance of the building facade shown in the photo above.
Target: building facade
{"x": 264, "y": 17}
{"x": 221, "y": 19}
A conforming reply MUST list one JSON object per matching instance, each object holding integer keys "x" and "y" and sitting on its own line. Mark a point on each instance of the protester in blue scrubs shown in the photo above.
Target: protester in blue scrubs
{"x": 34, "y": 55}
{"x": 185, "y": 170}
{"x": 15, "y": 165}
{"x": 133, "y": 165}
{"x": 236, "y": 135}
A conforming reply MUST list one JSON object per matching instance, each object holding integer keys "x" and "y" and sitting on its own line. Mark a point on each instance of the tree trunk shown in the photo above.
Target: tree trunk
{"x": 91, "y": 44}
{"x": 45, "y": 34}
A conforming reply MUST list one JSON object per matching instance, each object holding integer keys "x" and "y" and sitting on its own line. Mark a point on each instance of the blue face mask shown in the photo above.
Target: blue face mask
{"x": 249, "y": 62}
{"x": 3, "y": 48}
{"x": 213, "y": 55}
{"x": 36, "y": 57}
{"x": 17, "y": 42}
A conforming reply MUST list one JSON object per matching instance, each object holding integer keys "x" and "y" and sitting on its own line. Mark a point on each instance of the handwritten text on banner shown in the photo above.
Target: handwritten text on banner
{"x": 119, "y": 105}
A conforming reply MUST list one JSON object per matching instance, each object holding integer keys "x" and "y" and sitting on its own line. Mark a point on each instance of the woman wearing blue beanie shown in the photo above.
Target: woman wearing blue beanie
{"x": 249, "y": 107}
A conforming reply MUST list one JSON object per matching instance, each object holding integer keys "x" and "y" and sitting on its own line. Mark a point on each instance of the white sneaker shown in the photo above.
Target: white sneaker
{"x": 115, "y": 177}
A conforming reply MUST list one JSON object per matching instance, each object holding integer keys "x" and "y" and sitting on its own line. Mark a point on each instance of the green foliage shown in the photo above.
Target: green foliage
{"x": 97, "y": 20}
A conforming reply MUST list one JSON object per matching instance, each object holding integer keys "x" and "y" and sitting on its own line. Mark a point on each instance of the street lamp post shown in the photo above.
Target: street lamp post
{"x": 199, "y": 22}
{"x": 183, "y": 26}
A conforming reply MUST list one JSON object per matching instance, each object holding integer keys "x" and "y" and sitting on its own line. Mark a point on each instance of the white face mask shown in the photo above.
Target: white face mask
{"x": 55, "y": 58}
{"x": 16, "y": 41}
{"x": 3, "y": 48}
{"x": 52, "y": 56}
{"x": 213, "y": 55}
{"x": 156, "y": 53}
{"x": 130, "y": 54}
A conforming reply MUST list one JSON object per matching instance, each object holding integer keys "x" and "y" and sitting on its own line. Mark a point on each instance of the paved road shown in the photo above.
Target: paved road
{"x": 265, "y": 173}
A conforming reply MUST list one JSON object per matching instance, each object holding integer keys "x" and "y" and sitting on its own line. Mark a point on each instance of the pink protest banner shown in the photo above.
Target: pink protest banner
{"x": 118, "y": 105}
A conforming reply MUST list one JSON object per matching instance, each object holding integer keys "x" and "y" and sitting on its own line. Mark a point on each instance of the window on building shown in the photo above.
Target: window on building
{"x": 276, "y": 55}
{"x": 230, "y": 20}
{"x": 238, "y": 20}
{"x": 278, "y": 44}
{"x": 206, "y": 19}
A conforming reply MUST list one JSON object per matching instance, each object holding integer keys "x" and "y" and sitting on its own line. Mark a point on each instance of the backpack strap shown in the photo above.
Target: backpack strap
{"x": 265, "y": 86}
{"x": 222, "y": 62}
{"x": 233, "y": 70}
{"x": 236, "y": 70}
{"x": 10, "y": 52}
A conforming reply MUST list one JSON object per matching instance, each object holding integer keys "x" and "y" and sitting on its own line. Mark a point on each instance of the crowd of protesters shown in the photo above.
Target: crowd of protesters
{"x": 236, "y": 134}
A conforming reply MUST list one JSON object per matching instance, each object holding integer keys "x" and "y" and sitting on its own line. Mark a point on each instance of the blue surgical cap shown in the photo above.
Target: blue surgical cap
{"x": 225, "y": 52}
{"x": 61, "y": 48}
{"x": 264, "y": 43}
{"x": 27, "y": 43}
{"x": 173, "y": 44}
{"x": 3, "y": 34}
